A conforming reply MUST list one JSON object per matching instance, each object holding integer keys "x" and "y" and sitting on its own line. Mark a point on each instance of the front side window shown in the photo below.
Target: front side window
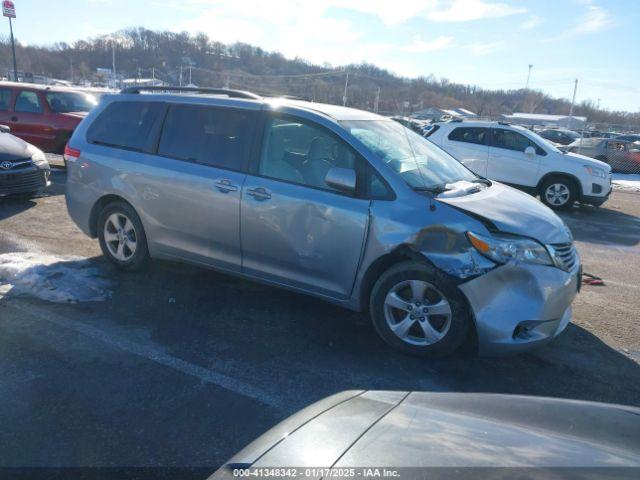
{"x": 475, "y": 135}
{"x": 219, "y": 137}
{"x": 125, "y": 124}
{"x": 301, "y": 152}
{"x": 5, "y": 97}
{"x": 510, "y": 140}
{"x": 419, "y": 162}
{"x": 65, "y": 102}
{"x": 28, "y": 102}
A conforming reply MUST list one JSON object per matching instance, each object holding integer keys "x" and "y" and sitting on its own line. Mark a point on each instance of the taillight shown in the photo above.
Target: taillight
{"x": 70, "y": 154}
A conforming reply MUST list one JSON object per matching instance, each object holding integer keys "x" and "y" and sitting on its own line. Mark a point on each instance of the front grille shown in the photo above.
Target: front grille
{"x": 21, "y": 182}
{"x": 18, "y": 164}
{"x": 564, "y": 255}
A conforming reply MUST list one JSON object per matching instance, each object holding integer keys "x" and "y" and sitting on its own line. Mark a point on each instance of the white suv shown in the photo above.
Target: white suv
{"x": 519, "y": 157}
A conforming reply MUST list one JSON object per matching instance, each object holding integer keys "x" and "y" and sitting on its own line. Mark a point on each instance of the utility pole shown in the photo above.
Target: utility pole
{"x": 180, "y": 75}
{"x": 375, "y": 105}
{"x": 71, "y": 67}
{"x": 153, "y": 75}
{"x": 189, "y": 74}
{"x": 573, "y": 101}
{"x": 346, "y": 85}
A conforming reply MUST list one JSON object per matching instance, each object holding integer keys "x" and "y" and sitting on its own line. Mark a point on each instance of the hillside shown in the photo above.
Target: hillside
{"x": 143, "y": 53}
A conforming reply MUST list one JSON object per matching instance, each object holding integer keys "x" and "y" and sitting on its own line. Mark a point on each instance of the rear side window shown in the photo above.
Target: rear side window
{"x": 220, "y": 137}
{"x": 475, "y": 135}
{"x": 125, "y": 125}
{"x": 28, "y": 102}
{"x": 5, "y": 97}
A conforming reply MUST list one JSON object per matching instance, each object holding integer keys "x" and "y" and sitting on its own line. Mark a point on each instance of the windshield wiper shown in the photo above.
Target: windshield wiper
{"x": 484, "y": 181}
{"x": 436, "y": 189}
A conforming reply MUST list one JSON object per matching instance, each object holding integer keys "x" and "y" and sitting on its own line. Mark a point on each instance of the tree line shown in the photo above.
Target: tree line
{"x": 141, "y": 52}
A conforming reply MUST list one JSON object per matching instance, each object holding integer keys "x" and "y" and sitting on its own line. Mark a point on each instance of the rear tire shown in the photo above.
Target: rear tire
{"x": 558, "y": 192}
{"x": 419, "y": 311}
{"x": 122, "y": 237}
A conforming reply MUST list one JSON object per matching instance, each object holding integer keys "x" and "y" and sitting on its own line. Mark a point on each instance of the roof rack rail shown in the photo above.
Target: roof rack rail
{"x": 218, "y": 91}
{"x": 504, "y": 123}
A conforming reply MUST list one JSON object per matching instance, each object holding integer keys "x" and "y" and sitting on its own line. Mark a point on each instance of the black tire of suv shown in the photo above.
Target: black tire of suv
{"x": 141, "y": 256}
{"x": 461, "y": 320}
{"x": 566, "y": 181}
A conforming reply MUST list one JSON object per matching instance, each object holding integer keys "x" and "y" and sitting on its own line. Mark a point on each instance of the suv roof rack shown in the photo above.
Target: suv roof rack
{"x": 217, "y": 91}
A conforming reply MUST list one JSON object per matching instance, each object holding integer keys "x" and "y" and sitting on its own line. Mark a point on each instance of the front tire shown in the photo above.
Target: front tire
{"x": 419, "y": 311}
{"x": 558, "y": 193}
{"x": 122, "y": 238}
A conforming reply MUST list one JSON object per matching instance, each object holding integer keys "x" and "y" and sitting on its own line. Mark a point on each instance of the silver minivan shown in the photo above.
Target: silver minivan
{"x": 330, "y": 201}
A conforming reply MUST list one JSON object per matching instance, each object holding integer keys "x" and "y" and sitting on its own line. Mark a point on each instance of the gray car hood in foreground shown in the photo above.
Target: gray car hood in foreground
{"x": 513, "y": 211}
{"x": 13, "y": 148}
{"x": 423, "y": 429}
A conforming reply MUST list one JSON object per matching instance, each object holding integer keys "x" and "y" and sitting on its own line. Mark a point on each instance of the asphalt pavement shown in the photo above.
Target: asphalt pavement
{"x": 181, "y": 366}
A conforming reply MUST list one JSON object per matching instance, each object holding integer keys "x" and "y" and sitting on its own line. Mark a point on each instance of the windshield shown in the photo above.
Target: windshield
{"x": 64, "y": 102}
{"x": 418, "y": 161}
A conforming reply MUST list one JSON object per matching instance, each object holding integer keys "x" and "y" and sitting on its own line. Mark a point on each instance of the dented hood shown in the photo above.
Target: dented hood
{"x": 513, "y": 211}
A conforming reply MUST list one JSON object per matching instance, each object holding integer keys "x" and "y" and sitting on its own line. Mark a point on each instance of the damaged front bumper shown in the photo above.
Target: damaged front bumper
{"x": 519, "y": 306}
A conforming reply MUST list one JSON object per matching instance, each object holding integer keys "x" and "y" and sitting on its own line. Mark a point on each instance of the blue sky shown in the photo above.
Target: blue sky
{"x": 484, "y": 42}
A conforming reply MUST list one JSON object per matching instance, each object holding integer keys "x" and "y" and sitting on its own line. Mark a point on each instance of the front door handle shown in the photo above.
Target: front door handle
{"x": 225, "y": 186}
{"x": 14, "y": 119}
{"x": 259, "y": 193}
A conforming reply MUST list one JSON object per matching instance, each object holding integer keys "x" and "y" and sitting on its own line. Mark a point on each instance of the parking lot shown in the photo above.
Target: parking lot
{"x": 182, "y": 366}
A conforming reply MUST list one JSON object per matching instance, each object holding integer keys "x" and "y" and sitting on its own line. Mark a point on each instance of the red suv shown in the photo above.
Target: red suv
{"x": 42, "y": 115}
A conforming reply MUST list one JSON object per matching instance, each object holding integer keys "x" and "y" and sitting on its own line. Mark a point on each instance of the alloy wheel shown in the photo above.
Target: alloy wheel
{"x": 557, "y": 194}
{"x": 120, "y": 236}
{"x": 417, "y": 312}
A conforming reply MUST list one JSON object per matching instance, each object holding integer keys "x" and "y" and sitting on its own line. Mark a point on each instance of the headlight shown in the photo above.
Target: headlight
{"x": 38, "y": 157}
{"x": 596, "y": 171}
{"x": 503, "y": 249}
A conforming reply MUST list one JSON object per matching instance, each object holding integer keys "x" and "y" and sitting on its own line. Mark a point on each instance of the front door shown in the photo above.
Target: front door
{"x": 508, "y": 161}
{"x": 296, "y": 230}
{"x": 29, "y": 122}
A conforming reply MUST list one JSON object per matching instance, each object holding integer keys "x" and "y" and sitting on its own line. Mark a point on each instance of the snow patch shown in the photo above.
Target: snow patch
{"x": 460, "y": 188}
{"x": 56, "y": 278}
{"x": 626, "y": 181}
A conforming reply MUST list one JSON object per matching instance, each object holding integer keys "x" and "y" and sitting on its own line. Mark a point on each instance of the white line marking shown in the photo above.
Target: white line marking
{"x": 150, "y": 353}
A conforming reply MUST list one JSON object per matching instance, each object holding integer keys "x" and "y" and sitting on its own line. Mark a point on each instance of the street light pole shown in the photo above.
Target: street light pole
{"x": 13, "y": 51}
{"x": 346, "y": 85}
{"x": 526, "y": 88}
{"x": 573, "y": 101}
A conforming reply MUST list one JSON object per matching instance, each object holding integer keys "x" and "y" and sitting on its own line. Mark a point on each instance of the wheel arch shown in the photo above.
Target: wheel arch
{"x": 570, "y": 176}
{"x": 380, "y": 265}
{"x": 99, "y": 206}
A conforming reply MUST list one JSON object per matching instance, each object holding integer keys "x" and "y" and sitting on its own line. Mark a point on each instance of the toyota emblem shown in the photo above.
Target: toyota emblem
{"x": 6, "y": 165}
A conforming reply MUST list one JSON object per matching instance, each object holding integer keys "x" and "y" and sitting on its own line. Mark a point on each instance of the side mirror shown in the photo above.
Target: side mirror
{"x": 343, "y": 179}
{"x": 5, "y": 128}
{"x": 530, "y": 151}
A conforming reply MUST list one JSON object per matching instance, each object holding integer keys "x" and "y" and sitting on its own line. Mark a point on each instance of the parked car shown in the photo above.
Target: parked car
{"x": 561, "y": 137}
{"x": 24, "y": 170}
{"x": 446, "y": 435}
{"x": 42, "y": 115}
{"x": 518, "y": 157}
{"x": 621, "y": 155}
{"x": 330, "y": 201}
{"x": 631, "y": 137}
